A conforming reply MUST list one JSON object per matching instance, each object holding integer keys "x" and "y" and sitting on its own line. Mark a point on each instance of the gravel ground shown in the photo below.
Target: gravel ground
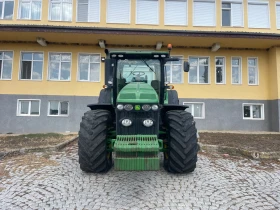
{"x": 259, "y": 142}
{"x": 54, "y": 181}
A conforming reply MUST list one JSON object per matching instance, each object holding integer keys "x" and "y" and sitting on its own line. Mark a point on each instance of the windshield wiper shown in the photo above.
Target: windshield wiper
{"x": 148, "y": 66}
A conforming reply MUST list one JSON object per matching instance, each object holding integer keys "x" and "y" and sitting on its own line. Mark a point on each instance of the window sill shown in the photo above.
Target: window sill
{"x": 88, "y": 81}
{"x": 199, "y": 118}
{"x": 220, "y": 83}
{"x": 35, "y": 80}
{"x": 69, "y": 21}
{"x": 199, "y": 83}
{"x": 253, "y": 84}
{"x": 253, "y": 119}
{"x": 28, "y": 115}
{"x": 5, "y": 79}
{"x": 232, "y": 27}
{"x": 58, "y": 80}
{"x": 28, "y": 19}
{"x": 58, "y": 115}
{"x": 176, "y": 25}
{"x": 150, "y": 24}
{"x": 236, "y": 83}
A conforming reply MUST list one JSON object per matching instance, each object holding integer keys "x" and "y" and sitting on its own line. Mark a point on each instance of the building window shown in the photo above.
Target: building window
{"x": 88, "y": 10}
{"x": 204, "y": 13}
{"x": 232, "y": 13}
{"x": 253, "y": 71}
{"x": 174, "y": 71}
{"x": 236, "y": 71}
{"x": 220, "y": 71}
{"x": 118, "y": 11}
{"x": 147, "y": 12}
{"x": 58, "y": 108}
{"x": 59, "y": 66}
{"x": 278, "y": 15}
{"x": 6, "y": 9}
{"x": 253, "y": 111}
{"x": 28, "y": 107}
{"x": 199, "y": 70}
{"x": 89, "y": 67}
{"x": 30, "y": 9}
{"x": 6, "y": 62}
{"x": 197, "y": 109}
{"x": 31, "y": 66}
{"x": 60, "y": 10}
{"x": 258, "y": 14}
{"x": 175, "y": 12}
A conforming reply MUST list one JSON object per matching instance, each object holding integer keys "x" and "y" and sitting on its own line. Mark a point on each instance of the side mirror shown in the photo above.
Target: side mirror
{"x": 186, "y": 66}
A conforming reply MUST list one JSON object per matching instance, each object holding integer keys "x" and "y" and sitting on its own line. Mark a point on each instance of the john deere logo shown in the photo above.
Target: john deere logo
{"x": 137, "y": 107}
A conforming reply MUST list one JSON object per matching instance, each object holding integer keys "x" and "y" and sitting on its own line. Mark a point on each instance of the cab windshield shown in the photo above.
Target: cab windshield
{"x": 147, "y": 71}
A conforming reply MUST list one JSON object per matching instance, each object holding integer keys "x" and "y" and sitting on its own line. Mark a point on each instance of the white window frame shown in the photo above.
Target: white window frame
{"x": 224, "y": 70}
{"x": 29, "y": 18}
{"x": 209, "y": 71}
{"x": 1, "y": 69}
{"x": 240, "y": 69}
{"x": 215, "y": 13}
{"x": 187, "y": 14}
{"x": 29, "y": 107}
{"x": 59, "y": 109}
{"x": 158, "y": 18}
{"x": 20, "y": 65}
{"x": 257, "y": 70}
{"x": 192, "y": 109}
{"x": 3, "y": 8}
{"x": 78, "y": 67}
{"x": 60, "y": 20}
{"x": 259, "y": 2}
{"x": 232, "y": 2}
{"x": 48, "y": 71}
{"x": 182, "y": 68}
{"x": 251, "y": 111}
{"x": 77, "y": 2}
{"x": 277, "y": 4}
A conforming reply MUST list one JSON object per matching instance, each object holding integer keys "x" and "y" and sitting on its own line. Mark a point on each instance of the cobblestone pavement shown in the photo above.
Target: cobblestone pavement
{"x": 54, "y": 181}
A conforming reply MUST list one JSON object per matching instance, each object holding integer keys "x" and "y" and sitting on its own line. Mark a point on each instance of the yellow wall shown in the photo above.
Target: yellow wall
{"x": 102, "y": 23}
{"x": 212, "y": 90}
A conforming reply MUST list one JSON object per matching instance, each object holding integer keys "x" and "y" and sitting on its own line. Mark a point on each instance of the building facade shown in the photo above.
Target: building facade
{"x": 51, "y": 58}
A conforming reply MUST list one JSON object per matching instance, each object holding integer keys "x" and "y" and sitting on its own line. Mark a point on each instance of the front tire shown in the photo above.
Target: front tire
{"x": 92, "y": 145}
{"x": 182, "y": 147}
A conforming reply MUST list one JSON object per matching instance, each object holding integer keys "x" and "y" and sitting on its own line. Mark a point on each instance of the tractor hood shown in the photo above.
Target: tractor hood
{"x": 138, "y": 92}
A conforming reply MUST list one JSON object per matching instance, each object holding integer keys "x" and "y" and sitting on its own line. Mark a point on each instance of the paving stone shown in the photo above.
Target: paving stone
{"x": 217, "y": 183}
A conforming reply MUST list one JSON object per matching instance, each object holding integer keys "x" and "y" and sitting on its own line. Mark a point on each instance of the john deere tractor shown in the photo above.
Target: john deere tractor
{"x": 137, "y": 116}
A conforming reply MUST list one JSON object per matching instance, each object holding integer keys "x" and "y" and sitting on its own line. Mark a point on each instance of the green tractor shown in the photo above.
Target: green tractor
{"x": 137, "y": 116}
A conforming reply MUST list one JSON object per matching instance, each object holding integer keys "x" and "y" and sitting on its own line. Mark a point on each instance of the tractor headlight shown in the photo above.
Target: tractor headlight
{"x": 126, "y": 122}
{"x": 155, "y": 107}
{"x": 148, "y": 123}
{"x": 146, "y": 107}
{"x": 128, "y": 107}
{"x": 120, "y": 107}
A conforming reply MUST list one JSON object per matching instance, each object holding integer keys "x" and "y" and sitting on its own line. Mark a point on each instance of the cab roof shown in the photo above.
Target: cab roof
{"x": 136, "y": 54}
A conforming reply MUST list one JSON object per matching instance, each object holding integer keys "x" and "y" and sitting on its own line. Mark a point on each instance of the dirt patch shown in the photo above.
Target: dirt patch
{"x": 253, "y": 142}
{"x": 11, "y": 142}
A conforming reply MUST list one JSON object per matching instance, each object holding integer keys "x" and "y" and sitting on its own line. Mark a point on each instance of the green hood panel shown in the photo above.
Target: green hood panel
{"x": 137, "y": 92}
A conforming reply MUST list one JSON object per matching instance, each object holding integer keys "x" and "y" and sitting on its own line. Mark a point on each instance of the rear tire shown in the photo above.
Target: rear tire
{"x": 182, "y": 147}
{"x": 92, "y": 145}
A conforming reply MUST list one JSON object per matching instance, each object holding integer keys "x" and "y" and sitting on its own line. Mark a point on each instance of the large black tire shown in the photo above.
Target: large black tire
{"x": 173, "y": 97}
{"x": 92, "y": 145}
{"x": 104, "y": 96}
{"x": 182, "y": 146}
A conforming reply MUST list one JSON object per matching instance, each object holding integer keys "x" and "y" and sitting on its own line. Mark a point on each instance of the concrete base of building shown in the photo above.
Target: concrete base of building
{"x": 220, "y": 115}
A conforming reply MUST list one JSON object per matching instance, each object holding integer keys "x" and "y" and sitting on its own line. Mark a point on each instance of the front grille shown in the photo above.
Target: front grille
{"x": 137, "y": 118}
